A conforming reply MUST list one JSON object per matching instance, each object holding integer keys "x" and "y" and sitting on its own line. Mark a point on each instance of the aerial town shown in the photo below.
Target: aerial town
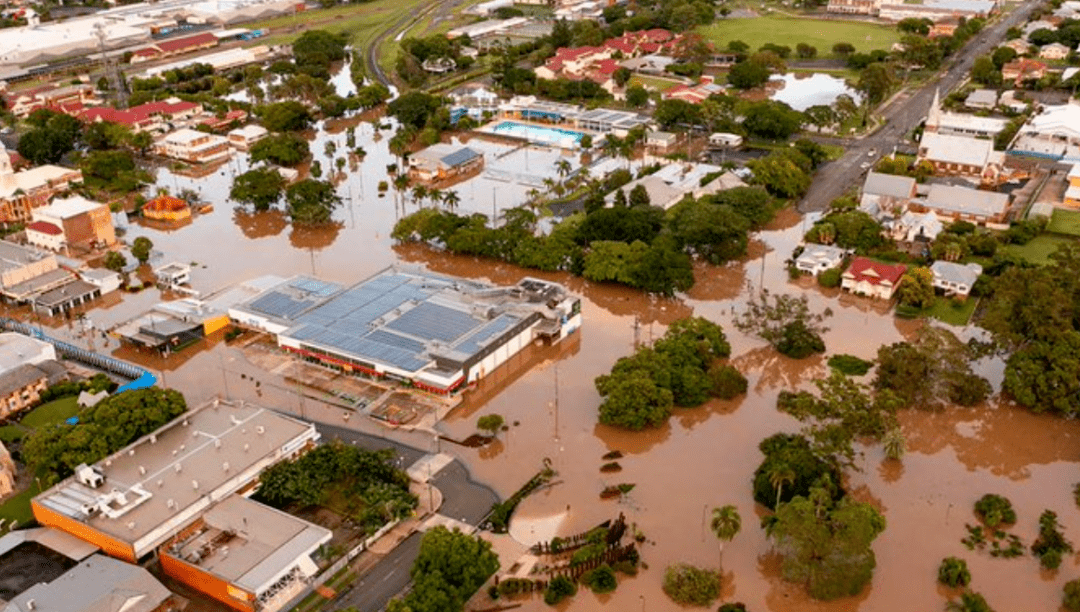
{"x": 484, "y": 305}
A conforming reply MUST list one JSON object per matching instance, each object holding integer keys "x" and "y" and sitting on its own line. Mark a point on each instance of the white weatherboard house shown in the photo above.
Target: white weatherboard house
{"x": 816, "y": 258}
{"x": 955, "y": 278}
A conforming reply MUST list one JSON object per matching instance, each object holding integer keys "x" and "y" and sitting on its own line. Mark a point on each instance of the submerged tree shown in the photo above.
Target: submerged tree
{"x": 785, "y": 322}
{"x": 826, "y": 544}
{"x": 725, "y": 525}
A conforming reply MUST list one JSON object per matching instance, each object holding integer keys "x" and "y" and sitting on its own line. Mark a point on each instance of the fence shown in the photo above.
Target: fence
{"x": 75, "y": 353}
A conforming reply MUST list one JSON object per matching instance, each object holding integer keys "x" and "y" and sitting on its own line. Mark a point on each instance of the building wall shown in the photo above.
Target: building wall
{"x": 207, "y": 583}
{"x": 101, "y": 221}
{"x": 21, "y": 399}
{"x": 79, "y": 230}
{"x": 49, "y": 242}
{"x": 212, "y": 325}
{"x": 31, "y": 270}
{"x": 109, "y": 545}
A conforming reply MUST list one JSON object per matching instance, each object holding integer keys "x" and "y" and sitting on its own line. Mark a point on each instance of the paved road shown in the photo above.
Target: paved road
{"x": 902, "y": 115}
{"x": 463, "y": 499}
{"x": 371, "y": 59}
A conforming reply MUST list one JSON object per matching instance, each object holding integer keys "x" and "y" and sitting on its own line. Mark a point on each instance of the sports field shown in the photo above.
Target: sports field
{"x": 790, "y": 31}
{"x": 362, "y": 21}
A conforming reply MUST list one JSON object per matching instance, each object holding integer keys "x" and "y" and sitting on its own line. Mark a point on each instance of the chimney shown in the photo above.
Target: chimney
{"x": 30, "y": 604}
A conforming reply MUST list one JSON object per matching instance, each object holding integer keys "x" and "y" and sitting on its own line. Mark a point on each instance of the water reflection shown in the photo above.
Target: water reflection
{"x": 801, "y": 90}
{"x": 260, "y": 224}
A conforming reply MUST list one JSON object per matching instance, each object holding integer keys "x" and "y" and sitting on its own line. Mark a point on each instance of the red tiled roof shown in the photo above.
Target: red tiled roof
{"x": 45, "y": 227}
{"x": 179, "y": 44}
{"x": 147, "y": 52}
{"x": 136, "y": 114}
{"x": 658, "y": 35}
{"x": 606, "y": 66}
{"x": 875, "y": 273}
{"x": 620, "y": 44}
{"x": 165, "y": 203}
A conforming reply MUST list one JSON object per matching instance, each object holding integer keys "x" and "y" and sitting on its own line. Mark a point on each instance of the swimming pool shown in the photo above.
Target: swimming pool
{"x": 539, "y": 134}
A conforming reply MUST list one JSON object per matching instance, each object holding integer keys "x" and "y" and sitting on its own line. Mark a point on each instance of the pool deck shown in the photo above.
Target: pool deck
{"x": 489, "y": 129}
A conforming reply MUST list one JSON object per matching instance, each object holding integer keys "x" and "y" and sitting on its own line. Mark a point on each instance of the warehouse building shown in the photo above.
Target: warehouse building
{"x": 435, "y": 332}
{"x": 143, "y": 496}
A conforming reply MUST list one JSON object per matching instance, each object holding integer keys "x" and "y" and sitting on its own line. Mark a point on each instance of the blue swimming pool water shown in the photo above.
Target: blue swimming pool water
{"x": 534, "y": 133}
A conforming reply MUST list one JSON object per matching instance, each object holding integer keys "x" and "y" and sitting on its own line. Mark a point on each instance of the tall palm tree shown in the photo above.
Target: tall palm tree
{"x": 419, "y": 194}
{"x": 435, "y": 195}
{"x": 451, "y": 199}
{"x": 725, "y": 525}
{"x": 563, "y": 168}
{"x": 778, "y": 475}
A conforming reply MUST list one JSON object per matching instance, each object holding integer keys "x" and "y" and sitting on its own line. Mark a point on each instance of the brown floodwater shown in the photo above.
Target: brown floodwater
{"x": 702, "y": 458}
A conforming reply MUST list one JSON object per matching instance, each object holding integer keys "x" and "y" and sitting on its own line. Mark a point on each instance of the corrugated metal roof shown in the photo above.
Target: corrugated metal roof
{"x": 459, "y": 157}
{"x": 493, "y": 329}
{"x": 434, "y": 322}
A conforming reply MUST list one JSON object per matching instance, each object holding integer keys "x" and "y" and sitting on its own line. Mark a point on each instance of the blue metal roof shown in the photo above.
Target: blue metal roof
{"x": 490, "y": 331}
{"x": 459, "y": 157}
{"x": 434, "y": 322}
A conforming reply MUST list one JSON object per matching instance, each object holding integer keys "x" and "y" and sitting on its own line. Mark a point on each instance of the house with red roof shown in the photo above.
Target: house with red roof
{"x": 175, "y": 46}
{"x": 45, "y": 235}
{"x": 694, "y": 94}
{"x": 1023, "y": 69}
{"x": 872, "y": 278}
{"x": 22, "y": 103}
{"x": 597, "y": 63}
{"x": 149, "y": 117}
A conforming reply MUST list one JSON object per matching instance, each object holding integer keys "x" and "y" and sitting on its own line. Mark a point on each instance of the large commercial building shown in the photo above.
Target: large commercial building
{"x": 143, "y": 496}
{"x": 435, "y": 332}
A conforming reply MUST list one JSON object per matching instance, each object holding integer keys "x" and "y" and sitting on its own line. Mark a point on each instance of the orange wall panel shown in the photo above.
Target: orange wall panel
{"x": 110, "y": 545}
{"x": 206, "y": 583}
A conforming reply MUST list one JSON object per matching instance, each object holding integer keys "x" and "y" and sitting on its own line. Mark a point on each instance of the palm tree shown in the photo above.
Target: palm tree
{"x": 563, "y": 168}
{"x": 779, "y": 474}
{"x": 419, "y": 194}
{"x": 894, "y": 443}
{"x": 451, "y": 199}
{"x": 725, "y": 525}
{"x": 435, "y": 195}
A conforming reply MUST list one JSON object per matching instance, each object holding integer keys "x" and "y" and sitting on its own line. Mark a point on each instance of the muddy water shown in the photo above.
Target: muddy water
{"x": 702, "y": 458}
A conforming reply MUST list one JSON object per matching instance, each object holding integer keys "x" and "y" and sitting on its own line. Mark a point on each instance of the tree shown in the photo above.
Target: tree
{"x": 261, "y": 188}
{"x": 984, "y": 71}
{"x": 826, "y": 545}
{"x": 450, "y": 567}
{"x": 1071, "y": 599}
{"x": 727, "y": 382}
{"x": 140, "y": 249}
{"x": 843, "y": 49}
{"x": 790, "y": 452}
{"x": 414, "y": 108}
{"x": 281, "y": 149}
{"x": 917, "y": 288}
{"x": 805, "y": 51}
{"x": 637, "y": 96}
{"x": 689, "y": 585}
{"x": 953, "y": 572}
{"x": 1043, "y": 375}
{"x": 115, "y": 261}
{"x": 783, "y": 173}
{"x": 969, "y": 602}
{"x": 725, "y": 525}
{"x": 1002, "y": 55}
{"x": 490, "y": 424}
{"x": 915, "y": 25}
{"x": 287, "y": 116}
{"x": 748, "y": 74}
{"x": 931, "y": 370}
{"x": 875, "y": 82}
{"x": 315, "y": 50}
{"x": 639, "y": 196}
{"x": 311, "y": 202}
{"x": 558, "y": 589}
{"x": 786, "y": 323}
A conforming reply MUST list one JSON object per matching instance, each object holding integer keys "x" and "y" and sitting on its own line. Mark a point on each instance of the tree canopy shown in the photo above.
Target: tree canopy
{"x": 281, "y": 149}
{"x": 785, "y": 322}
{"x": 260, "y": 188}
{"x": 311, "y": 202}
{"x": 450, "y": 567}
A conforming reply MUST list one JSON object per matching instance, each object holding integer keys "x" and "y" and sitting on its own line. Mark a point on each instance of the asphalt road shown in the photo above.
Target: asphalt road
{"x": 902, "y": 115}
{"x": 463, "y": 499}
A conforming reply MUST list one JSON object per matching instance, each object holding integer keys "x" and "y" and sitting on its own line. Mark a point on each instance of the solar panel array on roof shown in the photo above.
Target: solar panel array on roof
{"x": 277, "y": 304}
{"x": 459, "y": 157}
{"x": 490, "y": 331}
{"x": 434, "y": 322}
{"x": 314, "y": 286}
{"x": 361, "y": 348}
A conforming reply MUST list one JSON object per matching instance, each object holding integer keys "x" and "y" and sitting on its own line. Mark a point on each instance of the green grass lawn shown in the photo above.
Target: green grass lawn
{"x": 362, "y": 21}
{"x": 12, "y": 433}
{"x": 17, "y": 508}
{"x": 1064, "y": 222}
{"x": 53, "y": 412}
{"x": 654, "y": 83}
{"x": 944, "y": 310}
{"x": 1039, "y": 249}
{"x": 790, "y": 31}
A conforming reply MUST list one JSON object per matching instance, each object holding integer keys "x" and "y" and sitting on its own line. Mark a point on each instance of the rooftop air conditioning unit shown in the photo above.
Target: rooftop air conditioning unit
{"x": 89, "y": 476}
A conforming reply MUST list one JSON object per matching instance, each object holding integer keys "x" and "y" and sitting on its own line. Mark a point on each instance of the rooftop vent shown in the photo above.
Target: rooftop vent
{"x": 153, "y": 439}
{"x": 30, "y": 604}
{"x": 225, "y": 466}
{"x": 131, "y": 525}
{"x": 217, "y": 442}
{"x": 89, "y": 476}
{"x": 177, "y": 467}
{"x": 260, "y": 430}
{"x": 246, "y": 447}
{"x": 131, "y": 452}
{"x": 170, "y": 504}
{"x": 160, "y": 483}
{"x": 142, "y": 471}
{"x": 195, "y": 484}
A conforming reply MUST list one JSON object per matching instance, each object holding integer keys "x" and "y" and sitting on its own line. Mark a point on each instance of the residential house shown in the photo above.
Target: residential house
{"x": 958, "y": 124}
{"x": 661, "y": 143}
{"x": 694, "y": 94}
{"x": 173, "y": 274}
{"x": 230, "y": 119}
{"x": 45, "y": 235}
{"x": 961, "y": 155}
{"x": 1052, "y": 132}
{"x": 724, "y": 140}
{"x": 1023, "y": 69}
{"x": 106, "y": 280}
{"x": 854, "y": 7}
{"x": 21, "y": 192}
{"x": 956, "y": 203}
{"x": 914, "y": 227}
{"x": 7, "y": 471}
{"x": 817, "y": 258}
{"x": 1012, "y": 100}
{"x": 63, "y": 99}
{"x": 86, "y": 225}
{"x": 672, "y": 182}
{"x": 953, "y": 278}
{"x": 441, "y": 162}
{"x": 985, "y": 99}
{"x": 886, "y": 195}
{"x": 1054, "y": 51}
{"x": 166, "y": 208}
{"x": 155, "y": 117}
{"x": 872, "y": 278}
{"x": 21, "y": 388}
{"x": 193, "y": 146}
{"x": 1021, "y": 46}
{"x": 243, "y": 137}
{"x": 1039, "y": 24}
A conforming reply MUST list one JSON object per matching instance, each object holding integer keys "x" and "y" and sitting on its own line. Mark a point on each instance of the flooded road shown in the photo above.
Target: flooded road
{"x": 703, "y": 458}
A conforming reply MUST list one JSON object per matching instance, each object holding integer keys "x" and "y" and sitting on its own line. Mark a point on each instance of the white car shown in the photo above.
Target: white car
{"x": 872, "y": 153}
{"x": 865, "y": 165}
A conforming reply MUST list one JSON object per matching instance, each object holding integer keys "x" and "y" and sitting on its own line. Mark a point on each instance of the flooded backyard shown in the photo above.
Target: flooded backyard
{"x": 703, "y": 458}
{"x": 801, "y": 90}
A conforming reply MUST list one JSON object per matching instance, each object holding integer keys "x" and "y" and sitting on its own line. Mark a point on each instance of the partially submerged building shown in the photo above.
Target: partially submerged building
{"x": 435, "y": 332}
{"x": 441, "y": 162}
{"x": 98, "y": 584}
{"x": 146, "y": 494}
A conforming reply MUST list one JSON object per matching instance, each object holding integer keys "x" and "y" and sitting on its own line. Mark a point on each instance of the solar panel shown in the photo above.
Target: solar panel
{"x": 277, "y": 304}
{"x": 433, "y": 322}
{"x": 493, "y": 329}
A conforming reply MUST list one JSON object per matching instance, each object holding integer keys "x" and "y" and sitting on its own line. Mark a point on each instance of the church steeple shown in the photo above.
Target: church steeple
{"x": 933, "y": 117}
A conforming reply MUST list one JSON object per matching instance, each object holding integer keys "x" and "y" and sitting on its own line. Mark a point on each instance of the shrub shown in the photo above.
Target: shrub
{"x": 732, "y": 607}
{"x": 558, "y": 589}
{"x": 953, "y": 572}
{"x": 728, "y": 382}
{"x": 601, "y": 580}
{"x": 994, "y": 510}
{"x": 689, "y": 585}
{"x": 510, "y": 587}
{"x": 1071, "y": 600}
{"x": 850, "y": 365}
{"x": 830, "y": 278}
{"x": 1051, "y": 544}
{"x": 970, "y": 602}
{"x": 799, "y": 341}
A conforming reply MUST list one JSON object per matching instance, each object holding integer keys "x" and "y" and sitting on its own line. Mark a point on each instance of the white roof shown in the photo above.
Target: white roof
{"x": 991, "y": 125}
{"x": 982, "y": 96}
{"x": 891, "y": 185}
{"x": 814, "y": 253}
{"x": 29, "y": 180}
{"x": 957, "y": 273}
{"x": 186, "y": 136}
{"x": 1056, "y": 119}
{"x": 250, "y": 131}
{"x": 65, "y": 208}
{"x": 952, "y": 149}
{"x": 1074, "y": 172}
{"x": 965, "y": 200}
